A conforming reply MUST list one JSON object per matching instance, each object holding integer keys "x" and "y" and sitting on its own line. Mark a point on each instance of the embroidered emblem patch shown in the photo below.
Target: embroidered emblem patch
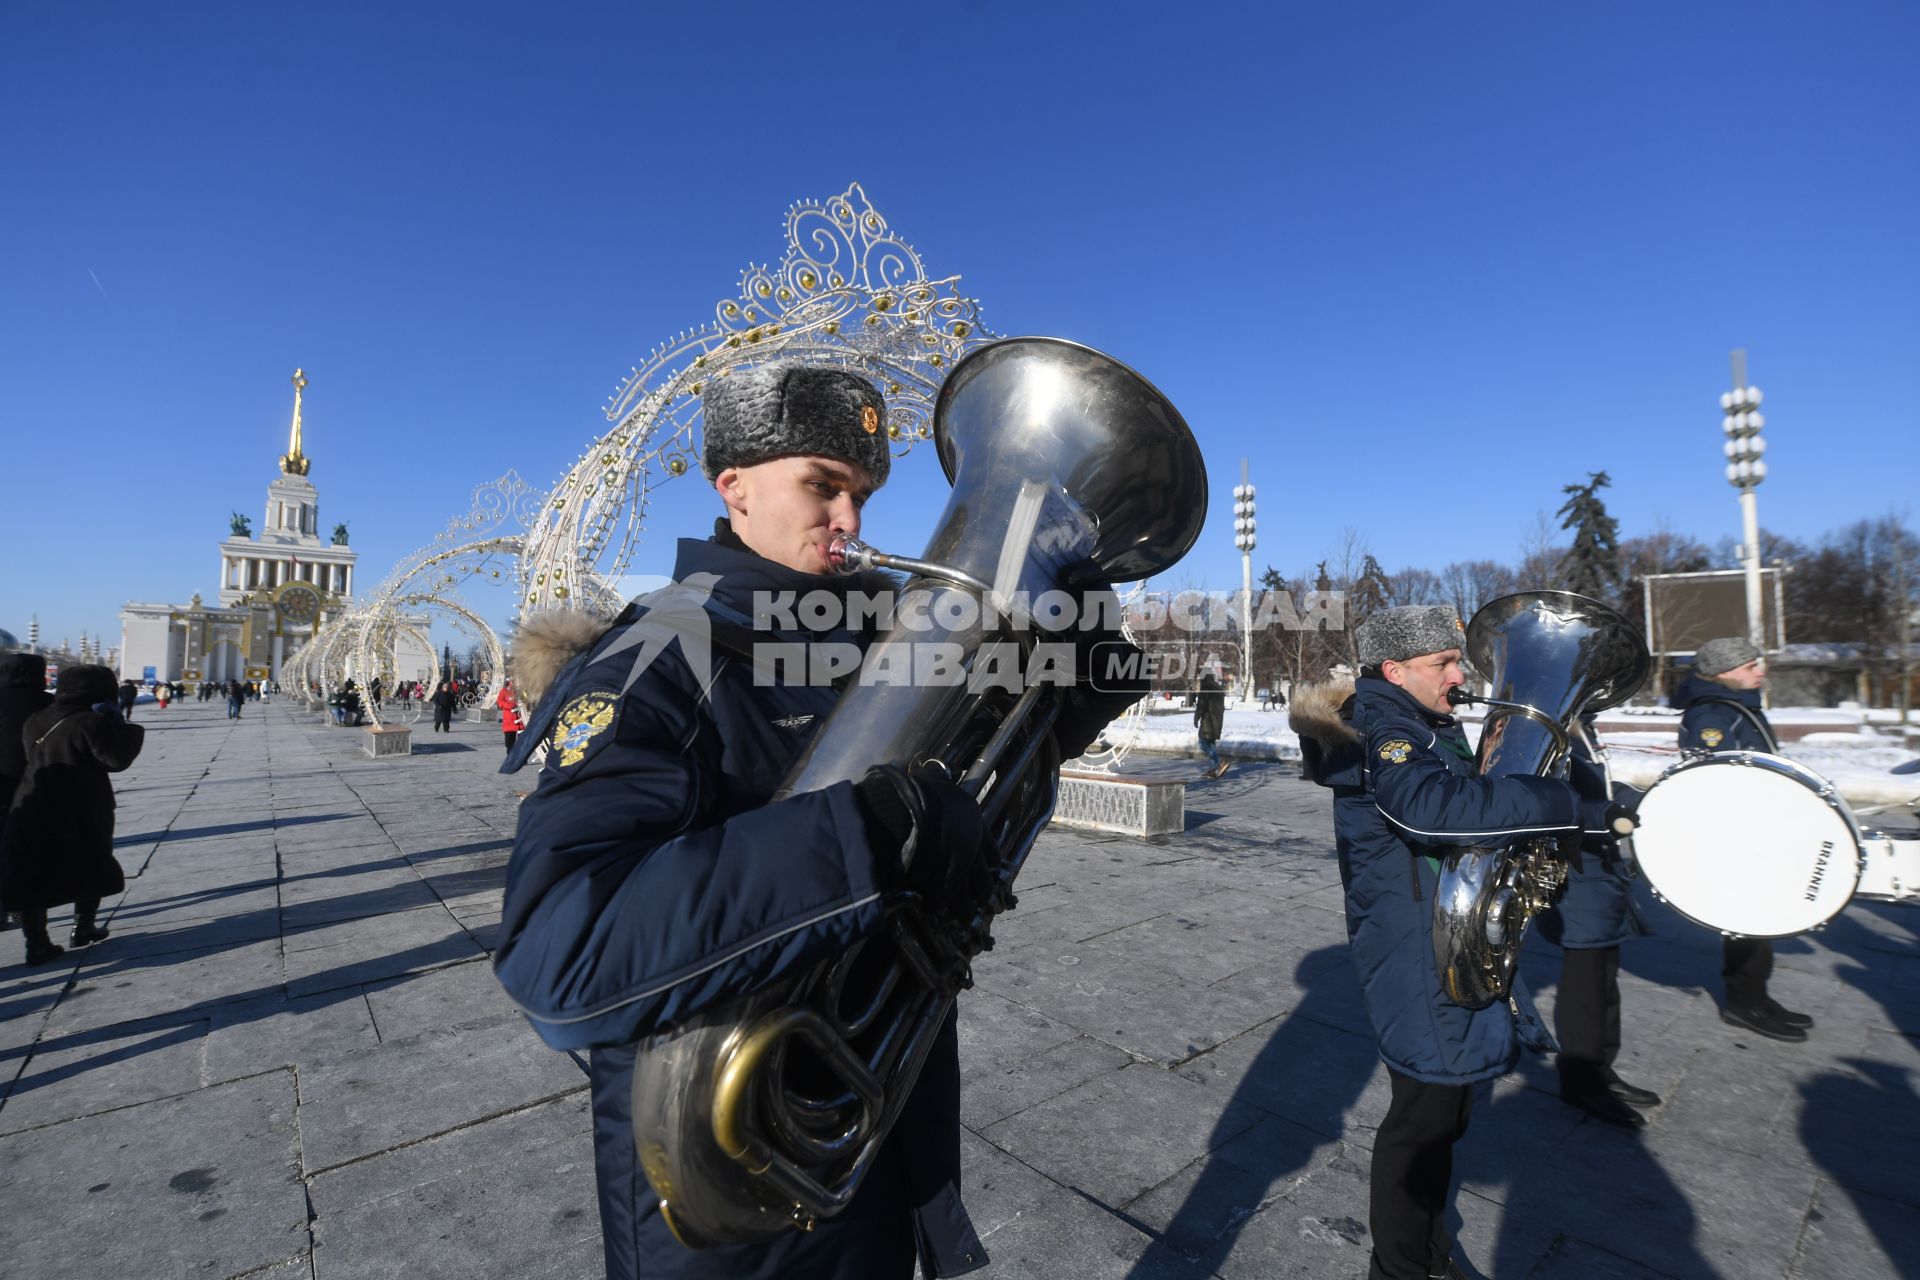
{"x": 1399, "y": 751}
{"x": 869, "y": 419}
{"x": 793, "y": 722}
{"x": 1711, "y": 737}
{"x": 581, "y": 721}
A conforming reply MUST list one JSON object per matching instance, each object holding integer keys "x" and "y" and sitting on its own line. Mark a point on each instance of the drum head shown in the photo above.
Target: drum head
{"x": 1747, "y": 843}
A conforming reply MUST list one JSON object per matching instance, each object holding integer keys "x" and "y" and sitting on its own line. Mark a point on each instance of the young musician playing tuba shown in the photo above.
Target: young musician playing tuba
{"x": 653, "y": 877}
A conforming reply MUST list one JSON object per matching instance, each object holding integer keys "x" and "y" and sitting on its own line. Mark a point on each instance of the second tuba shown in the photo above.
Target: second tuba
{"x": 1070, "y": 472}
{"x": 1551, "y": 657}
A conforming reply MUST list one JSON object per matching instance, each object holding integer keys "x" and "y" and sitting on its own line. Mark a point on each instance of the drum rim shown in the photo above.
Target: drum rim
{"x": 1819, "y": 785}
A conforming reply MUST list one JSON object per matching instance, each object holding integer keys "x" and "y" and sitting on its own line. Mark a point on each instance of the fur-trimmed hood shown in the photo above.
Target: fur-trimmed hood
{"x": 545, "y": 643}
{"x": 1315, "y": 712}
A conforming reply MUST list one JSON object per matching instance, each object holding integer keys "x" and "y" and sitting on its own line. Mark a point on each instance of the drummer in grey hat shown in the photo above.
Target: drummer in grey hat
{"x": 1721, "y": 710}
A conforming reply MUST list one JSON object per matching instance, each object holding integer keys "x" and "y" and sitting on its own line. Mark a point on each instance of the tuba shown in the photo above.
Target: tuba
{"x": 1069, "y": 471}
{"x": 1551, "y": 657}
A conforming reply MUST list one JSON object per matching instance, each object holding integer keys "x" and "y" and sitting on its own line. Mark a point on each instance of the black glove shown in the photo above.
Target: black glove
{"x": 1110, "y": 675}
{"x": 1611, "y": 817}
{"x": 926, "y": 831}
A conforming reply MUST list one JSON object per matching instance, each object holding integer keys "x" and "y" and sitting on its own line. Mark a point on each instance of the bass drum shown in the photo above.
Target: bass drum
{"x": 1749, "y": 844}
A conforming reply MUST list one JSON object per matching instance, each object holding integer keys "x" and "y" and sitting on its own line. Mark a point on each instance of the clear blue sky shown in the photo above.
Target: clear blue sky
{"x": 1422, "y": 263}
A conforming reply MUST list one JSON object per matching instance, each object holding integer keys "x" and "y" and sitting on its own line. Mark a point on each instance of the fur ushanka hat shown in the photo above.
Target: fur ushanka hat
{"x": 786, "y": 408}
{"x": 1394, "y": 635}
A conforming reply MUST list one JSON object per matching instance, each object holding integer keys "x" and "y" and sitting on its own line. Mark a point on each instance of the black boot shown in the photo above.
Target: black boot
{"x": 85, "y": 931}
{"x": 40, "y": 948}
{"x": 1758, "y": 1019}
{"x": 1786, "y": 1015}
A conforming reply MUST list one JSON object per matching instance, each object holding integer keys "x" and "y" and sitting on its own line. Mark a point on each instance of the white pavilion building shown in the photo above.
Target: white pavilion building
{"x": 276, "y": 588}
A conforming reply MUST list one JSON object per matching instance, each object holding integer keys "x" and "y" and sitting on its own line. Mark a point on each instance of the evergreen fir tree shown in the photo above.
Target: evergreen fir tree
{"x": 1591, "y": 565}
{"x": 1370, "y": 591}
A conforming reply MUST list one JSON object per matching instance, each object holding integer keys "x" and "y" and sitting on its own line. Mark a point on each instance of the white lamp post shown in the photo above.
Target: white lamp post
{"x": 1745, "y": 471}
{"x": 1243, "y": 538}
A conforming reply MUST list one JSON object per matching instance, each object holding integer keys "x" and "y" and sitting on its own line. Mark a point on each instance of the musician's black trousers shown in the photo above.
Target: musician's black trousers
{"x": 1587, "y": 1017}
{"x": 1412, "y": 1171}
{"x": 1746, "y": 964}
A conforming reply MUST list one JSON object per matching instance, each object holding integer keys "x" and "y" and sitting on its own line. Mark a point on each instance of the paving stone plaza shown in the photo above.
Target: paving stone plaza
{"x": 291, "y": 1058}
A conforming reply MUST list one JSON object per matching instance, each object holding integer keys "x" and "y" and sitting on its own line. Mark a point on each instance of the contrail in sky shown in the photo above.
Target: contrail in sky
{"x": 96, "y": 284}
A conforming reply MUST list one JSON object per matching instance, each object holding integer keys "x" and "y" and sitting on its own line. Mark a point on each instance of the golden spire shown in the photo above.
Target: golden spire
{"x": 294, "y": 463}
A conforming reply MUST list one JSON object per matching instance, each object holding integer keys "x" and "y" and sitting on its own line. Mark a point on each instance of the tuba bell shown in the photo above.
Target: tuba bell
{"x": 1069, "y": 471}
{"x": 1551, "y": 657}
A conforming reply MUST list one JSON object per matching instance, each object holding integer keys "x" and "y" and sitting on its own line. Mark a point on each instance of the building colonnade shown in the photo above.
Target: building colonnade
{"x": 252, "y": 573}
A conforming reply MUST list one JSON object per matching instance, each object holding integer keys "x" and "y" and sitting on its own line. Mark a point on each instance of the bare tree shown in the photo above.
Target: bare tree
{"x": 1468, "y": 584}
{"x": 1415, "y": 586}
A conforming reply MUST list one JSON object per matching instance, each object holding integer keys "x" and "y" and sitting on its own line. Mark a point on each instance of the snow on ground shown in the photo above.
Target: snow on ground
{"x": 1860, "y": 762}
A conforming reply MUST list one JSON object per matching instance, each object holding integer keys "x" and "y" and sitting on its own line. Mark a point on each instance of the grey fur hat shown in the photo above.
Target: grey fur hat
{"x": 785, "y": 408}
{"x": 1716, "y": 657}
{"x": 1394, "y": 635}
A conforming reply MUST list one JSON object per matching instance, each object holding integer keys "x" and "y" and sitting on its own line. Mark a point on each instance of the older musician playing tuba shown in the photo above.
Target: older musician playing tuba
{"x": 653, "y": 877}
{"x": 1405, "y": 789}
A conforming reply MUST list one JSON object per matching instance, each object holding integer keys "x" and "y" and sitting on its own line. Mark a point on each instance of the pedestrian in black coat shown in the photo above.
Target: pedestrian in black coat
{"x": 1209, "y": 717}
{"x": 129, "y": 694}
{"x": 58, "y": 846}
{"x": 23, "y": 691}
{"x": 443, "y": 700}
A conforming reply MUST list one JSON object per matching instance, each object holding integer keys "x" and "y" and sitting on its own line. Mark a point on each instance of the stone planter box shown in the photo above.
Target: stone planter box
{"x": 483, "y": 715}
{"x": 389, "y": 740}
{"x": 1131, "y": 806}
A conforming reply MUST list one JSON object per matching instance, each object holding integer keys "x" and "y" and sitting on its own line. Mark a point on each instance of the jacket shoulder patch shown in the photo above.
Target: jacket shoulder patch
{"x": 1396, "y": 751}
{"x": 580, "y": 724}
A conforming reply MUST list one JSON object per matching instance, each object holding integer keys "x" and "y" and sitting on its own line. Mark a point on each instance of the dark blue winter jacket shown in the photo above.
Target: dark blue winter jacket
{"x": 652, "y": 879}
{"x": 1715, "y": 717}
{"x": 1405, "y": 791}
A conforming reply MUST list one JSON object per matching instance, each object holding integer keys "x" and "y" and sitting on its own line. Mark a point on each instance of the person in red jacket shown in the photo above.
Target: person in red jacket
{"x": 511, "y": 721}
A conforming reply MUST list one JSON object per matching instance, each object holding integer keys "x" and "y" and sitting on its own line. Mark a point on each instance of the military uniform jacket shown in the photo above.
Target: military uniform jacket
{"x": 1717, "y": 718}
{"x": 652, "y": 879}
{"x": 1405, "y": 791}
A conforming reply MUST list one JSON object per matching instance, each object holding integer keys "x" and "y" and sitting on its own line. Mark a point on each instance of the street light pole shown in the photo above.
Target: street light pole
{"x": 1243, "y": 538}
{"x": 1745, "y": 471}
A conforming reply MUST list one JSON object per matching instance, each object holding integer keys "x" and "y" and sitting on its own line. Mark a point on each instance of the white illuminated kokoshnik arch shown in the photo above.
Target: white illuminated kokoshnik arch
{"x": 847, "y": 291}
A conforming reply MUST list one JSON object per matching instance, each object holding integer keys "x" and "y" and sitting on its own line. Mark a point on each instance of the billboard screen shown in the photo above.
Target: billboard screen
{"x": 1684, "y": 610}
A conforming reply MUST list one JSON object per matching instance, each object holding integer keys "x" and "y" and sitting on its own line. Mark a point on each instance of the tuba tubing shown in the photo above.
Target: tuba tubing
{"x": 1552, "y": 657}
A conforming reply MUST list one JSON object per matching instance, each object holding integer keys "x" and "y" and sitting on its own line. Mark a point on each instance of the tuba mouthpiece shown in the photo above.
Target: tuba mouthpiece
{"x": 847, "y": 554}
